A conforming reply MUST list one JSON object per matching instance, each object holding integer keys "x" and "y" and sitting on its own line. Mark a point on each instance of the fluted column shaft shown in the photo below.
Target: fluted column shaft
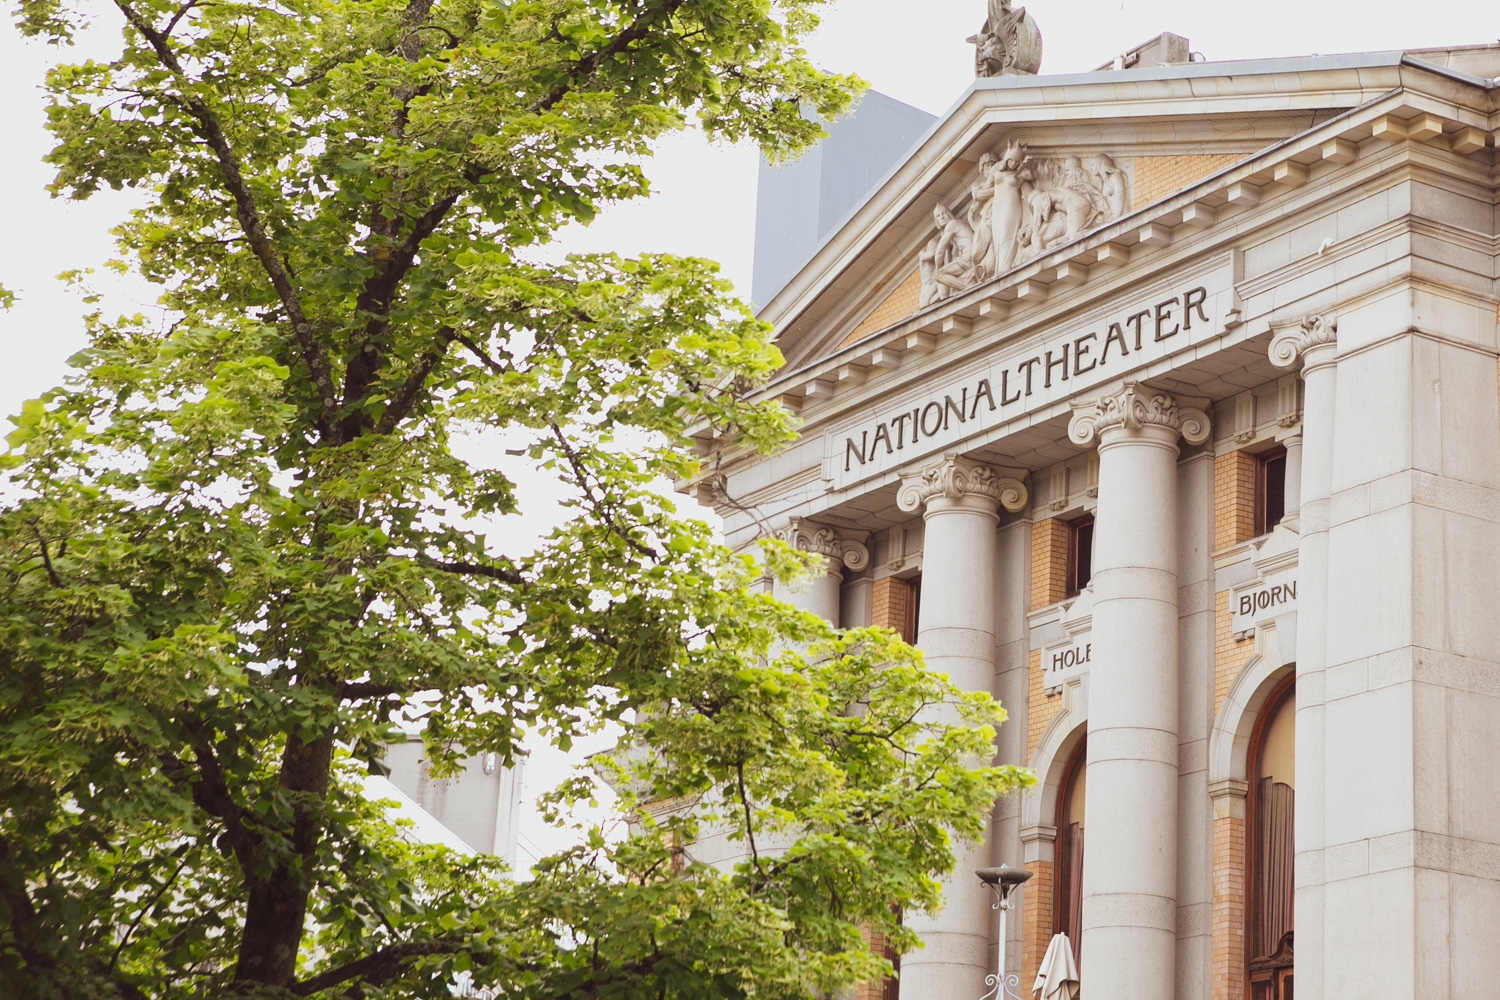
{"x": 960, "y": 502}
{"x": 1130, "y": 861}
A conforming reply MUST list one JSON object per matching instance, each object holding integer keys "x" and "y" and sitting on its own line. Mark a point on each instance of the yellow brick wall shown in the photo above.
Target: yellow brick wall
{"x": 1229, "y": 909}
{"x": 1049, "y": 567}
{"x": 1040, "y": 707}
{"x": 872, "y": 991}
{"x": 1158, "y": 176}
{"x": 888, "y": 604}
{"x": 1234, "y": 499}
{"x": 1049, "y": 561}
{"x": 1234, "y": 522}
{"x": 1036, "y": 917}
{"x": 900, "y": 304}
{"x": 1230, "y": 654}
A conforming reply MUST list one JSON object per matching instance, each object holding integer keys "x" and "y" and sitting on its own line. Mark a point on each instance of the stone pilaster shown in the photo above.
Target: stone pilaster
{"x": 1395, "y": 873}
{"x": 1130, "y": 864}
{"x": 960, "y": 501}
{"x": 1311, "y": 345}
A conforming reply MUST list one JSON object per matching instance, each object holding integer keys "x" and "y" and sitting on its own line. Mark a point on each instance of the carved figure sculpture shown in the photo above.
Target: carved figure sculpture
{"x": 954, "y": 254}
{"x": 1018, "y": 207}
{"x": 927, "y": 271}
{"x": 1010, "y": 178}
{"x": 1009, "y": 44}
{"x": 1113, "y": 186}
{"x": 981, "y": 218}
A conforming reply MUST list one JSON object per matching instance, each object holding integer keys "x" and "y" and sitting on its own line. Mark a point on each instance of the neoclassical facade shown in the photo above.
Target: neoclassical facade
{"x": 1161, "y": 403}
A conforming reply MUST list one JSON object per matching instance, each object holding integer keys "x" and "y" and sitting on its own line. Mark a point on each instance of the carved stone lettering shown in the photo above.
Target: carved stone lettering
{"x": 1108, "y": 346}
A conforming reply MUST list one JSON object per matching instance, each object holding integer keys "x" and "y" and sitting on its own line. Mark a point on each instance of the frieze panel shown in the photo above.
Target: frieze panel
{"x": 1112, "y": 344}
{"x": 1019, "y": 208}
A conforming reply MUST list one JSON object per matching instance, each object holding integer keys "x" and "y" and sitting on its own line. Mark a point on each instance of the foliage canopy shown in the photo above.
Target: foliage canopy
{"x": 249, "y": 533}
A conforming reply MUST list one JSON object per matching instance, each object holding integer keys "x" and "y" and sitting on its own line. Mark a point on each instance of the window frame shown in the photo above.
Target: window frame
{"x": 1262, "y": 497}
{"x": 912, "y": 610}
{"x": 1071, "y": 587}
{"x": 1260, "y": 969}
{"x": 1077, "y": 764}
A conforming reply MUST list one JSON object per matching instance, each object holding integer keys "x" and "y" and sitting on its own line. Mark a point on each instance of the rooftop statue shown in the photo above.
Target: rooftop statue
{"x": 1009, "y": 44}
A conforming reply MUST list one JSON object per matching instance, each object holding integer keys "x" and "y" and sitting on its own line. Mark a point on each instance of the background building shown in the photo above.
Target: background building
{"x": 480, "y": 807}
{"x": 1164, "y": 401}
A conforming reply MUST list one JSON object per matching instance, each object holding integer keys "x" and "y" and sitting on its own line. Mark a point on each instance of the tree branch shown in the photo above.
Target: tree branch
{"x": 14, "y": 890}
{"x": 474, "y": 569}
{"x": 246, "y": 212}
{"x": 600, "y": 505}
{"x": 374, "y": 303}
{"x": 475, "y": 349}
{"x": 378, "y": 967}
{"x": 587, "y": 66}
{"x": 354, "y": 691}
{"x": 401, "y": 403}
{"x": 211, "y": 793}
{"x": 46, "y": 557}
{"x": 115, "y": 958}
{"x": 749, "y": 820}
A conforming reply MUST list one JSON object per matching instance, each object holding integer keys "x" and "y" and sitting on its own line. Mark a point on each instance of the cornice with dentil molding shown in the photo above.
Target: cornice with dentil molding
{"x": 1134, "y": 406}
{"x": 957, "y": 478}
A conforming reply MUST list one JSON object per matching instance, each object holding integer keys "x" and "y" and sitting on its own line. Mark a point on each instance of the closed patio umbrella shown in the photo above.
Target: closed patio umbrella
{"x": 1057, "y": 979}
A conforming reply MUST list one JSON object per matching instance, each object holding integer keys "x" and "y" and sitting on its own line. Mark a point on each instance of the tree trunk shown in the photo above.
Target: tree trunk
{"x": 277, "y": 906}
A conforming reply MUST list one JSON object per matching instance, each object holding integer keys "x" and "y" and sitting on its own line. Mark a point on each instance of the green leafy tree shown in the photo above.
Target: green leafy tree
{"x": 247, "y": 535}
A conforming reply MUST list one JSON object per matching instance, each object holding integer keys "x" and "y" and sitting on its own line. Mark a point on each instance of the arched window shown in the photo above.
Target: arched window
{"x": 1271, "y": 815}
{"x": 1067, "y": 912}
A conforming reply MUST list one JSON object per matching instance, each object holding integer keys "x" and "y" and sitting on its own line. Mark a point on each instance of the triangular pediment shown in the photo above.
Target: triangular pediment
{"x": 1021, "y": 167}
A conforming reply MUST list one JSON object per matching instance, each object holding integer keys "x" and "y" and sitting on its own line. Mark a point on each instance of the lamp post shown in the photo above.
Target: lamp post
{"x": 1001, "y": 881}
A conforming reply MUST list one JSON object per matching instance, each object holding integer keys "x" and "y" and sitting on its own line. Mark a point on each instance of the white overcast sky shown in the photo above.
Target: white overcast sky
{"x": 704, "y": 201}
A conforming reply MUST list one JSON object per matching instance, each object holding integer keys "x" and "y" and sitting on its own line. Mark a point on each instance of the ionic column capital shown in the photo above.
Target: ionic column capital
{"x": 824, "y": 541}
{"x": 1294, "y": 343}
{"x": 961, "y": 480}
{"x": 1134, "y": 407}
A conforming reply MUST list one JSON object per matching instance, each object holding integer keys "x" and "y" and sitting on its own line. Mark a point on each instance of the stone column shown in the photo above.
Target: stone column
{"x": 1130, "y": 864}
{"x": 960, "y": 501}
{"x": 1313, "y": 344}
{"x": 1292, "y": 495}
{"x": 821, "y": 594}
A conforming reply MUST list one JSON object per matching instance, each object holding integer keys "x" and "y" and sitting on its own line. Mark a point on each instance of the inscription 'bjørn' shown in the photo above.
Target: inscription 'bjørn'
{"x": 1073, "y": 357}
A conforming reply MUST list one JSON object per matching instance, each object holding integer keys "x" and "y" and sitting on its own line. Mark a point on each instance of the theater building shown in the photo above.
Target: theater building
{"x": 1161, "y": 402}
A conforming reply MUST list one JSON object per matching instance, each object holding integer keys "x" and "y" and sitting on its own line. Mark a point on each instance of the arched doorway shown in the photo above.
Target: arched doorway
{"x": 1271, "y": 813}
{"x": 1067, "y": 912}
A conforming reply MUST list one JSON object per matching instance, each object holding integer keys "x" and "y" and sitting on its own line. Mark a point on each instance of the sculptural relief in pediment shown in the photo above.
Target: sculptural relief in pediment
{"x": 1018, "y": 208}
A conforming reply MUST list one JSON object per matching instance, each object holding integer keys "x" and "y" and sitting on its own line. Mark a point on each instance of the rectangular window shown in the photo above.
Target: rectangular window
{"x": 1270, "y": 490}
{"x": 1080, "y": 554}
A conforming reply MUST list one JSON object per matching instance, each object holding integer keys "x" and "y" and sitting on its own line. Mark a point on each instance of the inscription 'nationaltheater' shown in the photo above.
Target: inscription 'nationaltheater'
{"x": 1084, "y": 356}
